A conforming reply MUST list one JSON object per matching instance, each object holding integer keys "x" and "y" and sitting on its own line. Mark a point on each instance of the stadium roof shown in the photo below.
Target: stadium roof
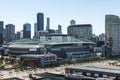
{"x": 34, "y": 42}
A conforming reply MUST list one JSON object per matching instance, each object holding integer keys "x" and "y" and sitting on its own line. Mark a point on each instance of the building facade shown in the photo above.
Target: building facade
{"x": 48, "y": 24}
{"x": 1, "y": 32}
{"x": 41, "y": 59}
{"x": 27, "y": 30}
{"x": 17, "y": 35}
{"x": 56, "y": 38}
{"x": 35, "y": 29}
{"x": 65, "y": 46}
{"x": 109, "y": 21}
{"x": 80, "y": 31}
{"x": 10, "y": 33}
{"x": 61, "y": 45}
{"x": 21, "y": 34}
{"x": 52, "y": 31}
{"x": 24, "y": 46}
{"x": 116, "y": 38}
{"x": 59, "y": 29}
{"x": 42, "y": 32}
{"x": 40, "y": 21}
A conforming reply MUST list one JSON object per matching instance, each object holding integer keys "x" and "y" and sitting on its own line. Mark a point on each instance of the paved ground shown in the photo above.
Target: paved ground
{"x": 24, "y": 74}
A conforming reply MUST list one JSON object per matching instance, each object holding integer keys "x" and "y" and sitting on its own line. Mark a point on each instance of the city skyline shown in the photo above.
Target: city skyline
{"x": 60, "y": 12}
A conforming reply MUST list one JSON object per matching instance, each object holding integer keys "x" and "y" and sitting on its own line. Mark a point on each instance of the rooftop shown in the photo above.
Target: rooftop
{"x": 36, "y": 42}
{"x": 37, "y": 55}
{"x": 81, "y": 25}
{"x": 25, "y": 42}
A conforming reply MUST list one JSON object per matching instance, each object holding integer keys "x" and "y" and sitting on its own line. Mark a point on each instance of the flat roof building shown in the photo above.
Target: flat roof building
{"x": 42, "y": 59}
{"x": 80, "y": 31}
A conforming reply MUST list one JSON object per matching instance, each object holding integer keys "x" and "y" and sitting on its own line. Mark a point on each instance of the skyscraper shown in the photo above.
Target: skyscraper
{"x": 17, "y": 35}
{"x": 109, "y": 21}
{"x": 10, "y": 33}
{"x": 48, "y": 24}
{"x": 21, "y": 34}
{"x": 27, "y": 30}
{"x": 40, "y": 21}
{"x": 1, "y": 32}
{"x": 35, "y": 29}
{"x": 72, "y": 22}
{"x": 116, "y": 38}
{"x": 59, "y": 29}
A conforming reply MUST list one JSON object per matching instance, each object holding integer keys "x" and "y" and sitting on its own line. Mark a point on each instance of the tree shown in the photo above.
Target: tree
{"x": 1, "y": 59}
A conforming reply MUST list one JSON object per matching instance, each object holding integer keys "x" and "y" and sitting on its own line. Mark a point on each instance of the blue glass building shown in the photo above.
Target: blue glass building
{"x": 27, "y": 30}
{"x": 40, "y": 21}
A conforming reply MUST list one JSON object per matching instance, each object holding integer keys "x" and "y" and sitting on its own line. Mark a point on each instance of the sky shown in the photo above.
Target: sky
{"x": 19, "y": 12}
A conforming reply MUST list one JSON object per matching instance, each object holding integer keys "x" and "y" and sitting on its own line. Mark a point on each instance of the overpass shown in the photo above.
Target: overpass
{"x": 95, "y": 70}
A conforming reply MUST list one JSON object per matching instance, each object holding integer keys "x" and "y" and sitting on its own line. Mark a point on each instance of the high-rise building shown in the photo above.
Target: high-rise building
{"x": 10, "y": 33}
{"x": 83, "y": 31}
{"x": 21, "y": 34}
{"x": 48, "y": 24}
{"x": 27, "y": 30}
{"x": 17, "y": 35}
{"x": 116, "y": 38}
{"x": 109, "y": 21}
{"x": 40, "y": 21}
{"x": 1, "y": 32}
{"x": 72, "y": 22}
{"x": 59, "y": 29}
{"x": 4, "y": 34}
{"x": 35, "y": 29}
